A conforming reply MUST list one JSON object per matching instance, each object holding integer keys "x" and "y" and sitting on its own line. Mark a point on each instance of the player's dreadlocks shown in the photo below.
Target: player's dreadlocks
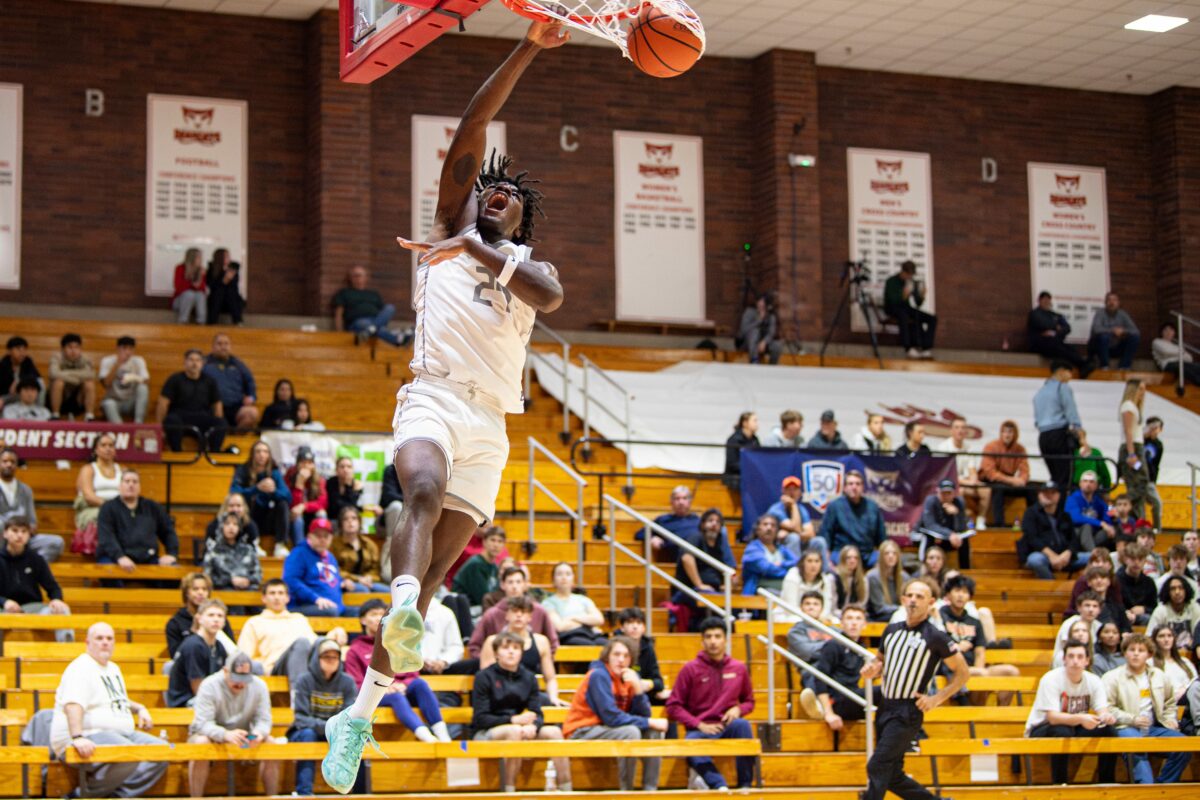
{"x": 494, "y": 171}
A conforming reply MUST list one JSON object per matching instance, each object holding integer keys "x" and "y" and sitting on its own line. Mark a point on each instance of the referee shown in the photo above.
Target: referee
{"x": 909, "y": 656}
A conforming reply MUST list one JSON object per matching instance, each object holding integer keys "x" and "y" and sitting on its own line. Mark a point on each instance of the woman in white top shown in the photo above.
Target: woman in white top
{"x": 1180, "y": 672}
{"x": 885, "y": 580}
{"x": 97, "y": 482}
{"x": 809, "y": 576}
{"x": 873, "y": 438}
{"x": 574, "y": 616}
{"x": 1131, "y": 457}
{"x": 1080, "y": 632}
{"x": 303, "y": 419}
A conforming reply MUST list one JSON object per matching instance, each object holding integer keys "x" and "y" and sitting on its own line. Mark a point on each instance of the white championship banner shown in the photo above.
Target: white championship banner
{"x": 891, "y": 220}
{"x": 10, "y": 185}
{"x": 659, "y": 227}
{"x": 196, "y": 184}
{"x": 1068, "y": 240}
{"x": 430, "y": 139}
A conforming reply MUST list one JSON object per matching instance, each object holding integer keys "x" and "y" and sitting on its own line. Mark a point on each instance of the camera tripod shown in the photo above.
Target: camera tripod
{"x": 854, "y": 279}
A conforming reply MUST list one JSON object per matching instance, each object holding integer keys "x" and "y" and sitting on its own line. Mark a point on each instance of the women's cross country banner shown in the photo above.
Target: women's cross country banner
{"x": 55, "y": 440}
{"x": 10, "y": 185}
{"x": 898, "y": 485}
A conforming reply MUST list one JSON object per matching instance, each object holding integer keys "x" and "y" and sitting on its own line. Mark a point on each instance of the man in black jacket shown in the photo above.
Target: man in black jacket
{"x": 24, "y": 575}
{"x": 1048, "y": 331}
{"x": 130, "y": 528}
{"x": 1048, "y": 541}
{"x": 507, "y": 706}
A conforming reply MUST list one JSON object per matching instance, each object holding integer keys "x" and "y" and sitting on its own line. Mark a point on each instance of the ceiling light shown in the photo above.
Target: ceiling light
{"x": 1156, "y": 23}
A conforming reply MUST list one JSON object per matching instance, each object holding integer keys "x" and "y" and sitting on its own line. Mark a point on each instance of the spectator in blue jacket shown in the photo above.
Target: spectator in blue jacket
{"x": 854, "y": 519}
{"x": 261, "y": 482}
{"x": 681, "y": 521}
{"x": 311, "y": 573}
{"x": 235, "y": 382}
{"x": 765, "y": 563}
{"x": 1089, "y": 514}
{"x": 800, "y": 535}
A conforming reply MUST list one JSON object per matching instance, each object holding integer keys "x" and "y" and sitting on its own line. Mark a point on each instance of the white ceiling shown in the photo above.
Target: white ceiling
{"x": 1078, "y": 44}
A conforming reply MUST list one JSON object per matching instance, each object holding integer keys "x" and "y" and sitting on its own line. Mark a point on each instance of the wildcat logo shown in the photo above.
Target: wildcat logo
{"x": 1068, "y": 192}
{"x": 823, "y": 483}
{"x": 937, "y": 423}
{"x": 884, "y": 488}
{"x": 196, "y": 122}
{"x": 446, "y": 147}
{"x": 889, "y": 178}
{"x": 660, "y": 156}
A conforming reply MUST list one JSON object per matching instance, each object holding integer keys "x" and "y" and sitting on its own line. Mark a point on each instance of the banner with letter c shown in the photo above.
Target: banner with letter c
{"x": 898, "y": 485}
{"x": 54, "y": 440}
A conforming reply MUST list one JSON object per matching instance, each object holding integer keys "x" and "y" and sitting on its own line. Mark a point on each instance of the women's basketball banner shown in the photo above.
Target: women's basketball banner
{"x": 1068, "y": 240}
{"x": 659, "y": 227}
{"x": 430, "y": 141}
{"x": 73, "y": 441}
{"x": 10, "y": 185}
{"x": 891, "y": 220}
{"x": 196, "y": 184}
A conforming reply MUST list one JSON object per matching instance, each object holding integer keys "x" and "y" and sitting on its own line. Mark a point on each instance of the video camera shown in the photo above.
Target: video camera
{"x": 856, "y": 272}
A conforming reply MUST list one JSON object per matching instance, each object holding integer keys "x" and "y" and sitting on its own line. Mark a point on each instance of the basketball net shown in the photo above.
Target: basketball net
{"x": 604, "y": 18}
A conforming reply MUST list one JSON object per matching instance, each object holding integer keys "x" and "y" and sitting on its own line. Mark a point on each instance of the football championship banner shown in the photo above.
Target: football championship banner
{"x": 196, "y": 184}
{"x": 898, "y": 485}
{"x": 430, "y": 140}
{"x": 891, "y": 220}
{"x": 10, "y": 185}
{"x": 1068, "y": 240}
{"x": 659, "y": 227}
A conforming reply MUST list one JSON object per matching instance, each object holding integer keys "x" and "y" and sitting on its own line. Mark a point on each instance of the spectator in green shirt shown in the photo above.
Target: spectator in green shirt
{"x": 1088, "y": 458}
{"x": 480, "y": 575}
{"x": 903, "y": 296}
{"x": 362, "y": 311}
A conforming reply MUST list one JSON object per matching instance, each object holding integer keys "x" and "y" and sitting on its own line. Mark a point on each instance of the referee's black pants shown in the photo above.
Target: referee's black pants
{"x": 1106, "y": 764}
{"x": 1059, "y": 442}
{"x": 897, "y": 726}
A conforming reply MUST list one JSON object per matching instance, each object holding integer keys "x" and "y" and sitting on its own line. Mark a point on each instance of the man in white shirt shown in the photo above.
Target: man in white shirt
{"x": 975, "y": 493}
{"x": 1071, "y": 702}
{"x": 127, "y": 381}
{"x": 91, "y": 707}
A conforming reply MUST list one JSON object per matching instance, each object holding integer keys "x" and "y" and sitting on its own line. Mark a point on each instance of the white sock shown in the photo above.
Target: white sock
{"x": 404, "y": 589}
{"x": 441, "y": 731}
{"x": 424, "y": 734}
{"x": 374, "y": 687}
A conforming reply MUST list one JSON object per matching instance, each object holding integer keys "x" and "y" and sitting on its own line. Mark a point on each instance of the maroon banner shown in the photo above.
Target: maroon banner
{"x": 54, "y": 440}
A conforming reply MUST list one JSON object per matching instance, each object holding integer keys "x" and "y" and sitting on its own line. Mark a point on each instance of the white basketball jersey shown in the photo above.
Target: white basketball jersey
{"x": 470, "y": 329}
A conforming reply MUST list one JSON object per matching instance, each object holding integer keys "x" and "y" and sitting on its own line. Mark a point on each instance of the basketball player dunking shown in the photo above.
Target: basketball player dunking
{"x": 476, "y": 297}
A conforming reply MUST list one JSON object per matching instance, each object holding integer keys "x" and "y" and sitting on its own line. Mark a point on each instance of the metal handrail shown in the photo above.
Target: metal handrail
{"x": 588, "y": 367}
{"x": 1181, "y": 381}
{"x": 578, "y": 523}
{"x": 564, "y": 373}
{"x": 727, "y": 572}
{"x": 1192, "y": 497}
{"x": 867, "y": 701}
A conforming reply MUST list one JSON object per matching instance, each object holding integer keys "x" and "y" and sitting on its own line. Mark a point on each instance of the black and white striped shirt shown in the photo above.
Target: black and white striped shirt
{"x": 911, "y": 656}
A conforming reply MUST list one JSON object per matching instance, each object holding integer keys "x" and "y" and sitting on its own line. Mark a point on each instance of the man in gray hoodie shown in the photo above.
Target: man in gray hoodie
{"x": 316, "y": 696}
{"x": 232, "y": 706}
{"x": 1114, "y": 333}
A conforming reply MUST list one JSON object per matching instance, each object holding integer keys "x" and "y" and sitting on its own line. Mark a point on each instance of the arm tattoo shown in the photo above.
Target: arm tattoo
{"x": 465, "y": 169}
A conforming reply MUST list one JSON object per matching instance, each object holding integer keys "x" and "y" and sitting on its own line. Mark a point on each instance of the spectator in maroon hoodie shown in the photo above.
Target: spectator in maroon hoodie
{"x": 514, "y": 583}
{"x": 711, "y": 699}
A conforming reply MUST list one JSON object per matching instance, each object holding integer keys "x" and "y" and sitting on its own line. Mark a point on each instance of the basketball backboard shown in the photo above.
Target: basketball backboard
{"x": 376, "y": 35}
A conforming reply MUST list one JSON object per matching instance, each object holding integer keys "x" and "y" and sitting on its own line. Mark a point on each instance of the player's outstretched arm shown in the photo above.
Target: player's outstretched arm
{"x": 533, "y": 282}
{"x": 465, "y": 155}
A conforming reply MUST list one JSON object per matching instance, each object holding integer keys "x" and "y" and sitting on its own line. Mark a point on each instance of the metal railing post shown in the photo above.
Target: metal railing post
{"x": 587, "y": 405}
{"x": 578, "y": 523}
{"x": 1192, "y": 497}
{"x": 646, "y": 555}
{"x": 612, "y": 556}
{"x": 566, "y": 391}
{"x": 727, "y": 585}
{"x": 869, "y": 696}
{"x": 1182, "y": 384}
{"x": 770, "y": 667}
{"x": 580, "y": 529}
{"x": 531, "y": 498}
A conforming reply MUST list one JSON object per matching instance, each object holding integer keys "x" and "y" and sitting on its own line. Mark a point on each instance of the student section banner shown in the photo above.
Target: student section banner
{"x": 196, "y": 184}
{"x": 891, "y": 220}
{"x": 1068, "y": 240}
{"x": 11, "y": 103}
{"x": 430, "y": 140}
{"x": 371, "y": 453}
{"x": 659, "y": 227}
{"x": 898, "y": 485}
{"x": 73, "y": 441}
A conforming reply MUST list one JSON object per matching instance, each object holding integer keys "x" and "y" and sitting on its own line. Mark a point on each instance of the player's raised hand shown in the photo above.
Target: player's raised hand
{"x": 435, "y": 252}
{"x": 548, "y": 34}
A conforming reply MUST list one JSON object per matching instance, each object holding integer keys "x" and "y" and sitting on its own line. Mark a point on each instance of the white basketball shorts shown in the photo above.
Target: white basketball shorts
{"x": 468, "y": 426}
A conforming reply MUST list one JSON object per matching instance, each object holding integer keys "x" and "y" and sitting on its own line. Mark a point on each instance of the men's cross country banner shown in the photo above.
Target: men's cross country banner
{"x": 891, "y": 220}
{"x": 10, "y": 185}
{"x": 1068, "y": 240}
{"x": 898, "y": 485}
{"x": 430, "y": 140}
{"x": 659, "y": 227}
{"x": 196, "y": 184}
{"x": 73, "y": 441}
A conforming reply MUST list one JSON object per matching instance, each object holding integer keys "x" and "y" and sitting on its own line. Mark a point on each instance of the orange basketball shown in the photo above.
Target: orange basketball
{"x": 660, "y": 46}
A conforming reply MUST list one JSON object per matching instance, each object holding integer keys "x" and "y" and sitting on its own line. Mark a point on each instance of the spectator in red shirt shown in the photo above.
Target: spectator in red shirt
{"x": 191, "y": 290}
{"x": 309, "y": 496}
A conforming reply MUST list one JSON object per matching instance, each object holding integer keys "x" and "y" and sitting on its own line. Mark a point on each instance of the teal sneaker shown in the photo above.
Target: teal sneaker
{"x": 403, "y": 630}
{"x": 347, "y": 738}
